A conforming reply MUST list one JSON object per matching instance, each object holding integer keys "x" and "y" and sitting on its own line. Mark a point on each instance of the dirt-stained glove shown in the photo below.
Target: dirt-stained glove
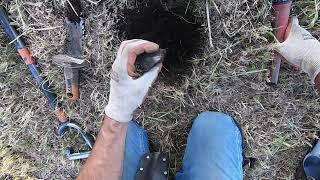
{"x": 301, "y": 49}
{"x": 126, "y": 91}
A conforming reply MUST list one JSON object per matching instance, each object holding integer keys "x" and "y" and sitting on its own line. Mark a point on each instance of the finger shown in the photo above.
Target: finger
{"x": 295, "y": 20}
{"x": 132, "y": 73}
{"x": 284, "y": 60}
{"x": 148, "y": 78}
{"x": 121, "y": 63}
{"x": 295, "y": 31}
{"x": 292, "y": 28}
{"x": 135, "y": 75}
{"x": 288, "y": 30}
{"x": 123, "y": 44}
{"x": 146, "y": 47}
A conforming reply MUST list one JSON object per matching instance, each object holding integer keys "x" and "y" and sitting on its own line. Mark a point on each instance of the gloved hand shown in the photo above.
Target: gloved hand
{"x": 127, "y": 91}
{"x": 301, "y": 49}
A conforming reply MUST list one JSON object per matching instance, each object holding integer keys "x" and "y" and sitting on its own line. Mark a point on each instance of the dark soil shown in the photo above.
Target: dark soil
{"x": 174, "y": 29}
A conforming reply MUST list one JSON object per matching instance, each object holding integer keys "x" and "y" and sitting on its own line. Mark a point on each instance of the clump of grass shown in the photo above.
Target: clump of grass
{"x": 308, "y": 12}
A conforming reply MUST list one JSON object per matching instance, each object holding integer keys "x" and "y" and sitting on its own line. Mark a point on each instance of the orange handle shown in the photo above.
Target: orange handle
{"x": 75, "y": 92}
{"x": 26, "y": 55}
{"x": 61, "y": 115}
{"x": 72, "y": 83}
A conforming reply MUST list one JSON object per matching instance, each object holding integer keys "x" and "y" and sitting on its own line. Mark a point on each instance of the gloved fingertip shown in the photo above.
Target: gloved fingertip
{"x": 275, "y": 46}
{"x": 151, "y": 47}
{"x": 294, "y": 26}
{"x": 150, "y": 76}
{"x": 293, "y": 29}
{"x": 295, "y": 20}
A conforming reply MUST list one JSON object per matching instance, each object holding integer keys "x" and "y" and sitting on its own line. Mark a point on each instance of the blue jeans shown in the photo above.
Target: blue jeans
{"x": 214, "y": 149}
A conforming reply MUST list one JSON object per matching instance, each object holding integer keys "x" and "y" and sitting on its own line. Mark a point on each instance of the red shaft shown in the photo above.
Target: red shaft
{"x": 281, "y": 14}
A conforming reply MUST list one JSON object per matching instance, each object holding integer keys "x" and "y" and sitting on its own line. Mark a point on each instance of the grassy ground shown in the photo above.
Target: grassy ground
{"x": 279, "y": 123}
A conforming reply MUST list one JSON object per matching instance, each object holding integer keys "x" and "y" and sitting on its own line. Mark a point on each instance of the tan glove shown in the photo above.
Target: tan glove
{"x": 126, "y": 92}
{"x": 301, "y": 49}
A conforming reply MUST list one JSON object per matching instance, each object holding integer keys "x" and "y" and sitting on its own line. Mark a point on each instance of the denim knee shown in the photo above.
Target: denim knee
{"x": 214, "y": 120}
{"x": 214, "y": 149}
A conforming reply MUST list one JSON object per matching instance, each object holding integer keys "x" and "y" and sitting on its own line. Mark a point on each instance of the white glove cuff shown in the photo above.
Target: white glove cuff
{"x": 117, "y": 114}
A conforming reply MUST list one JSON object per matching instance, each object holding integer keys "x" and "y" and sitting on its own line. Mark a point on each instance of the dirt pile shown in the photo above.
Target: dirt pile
{"x": 171, "y": 25}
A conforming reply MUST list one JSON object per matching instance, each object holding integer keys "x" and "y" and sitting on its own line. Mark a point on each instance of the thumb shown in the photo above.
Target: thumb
{"x": 279, "y": 47}
{"x": 294, "y": 31}
{"x": 148, "y": 78}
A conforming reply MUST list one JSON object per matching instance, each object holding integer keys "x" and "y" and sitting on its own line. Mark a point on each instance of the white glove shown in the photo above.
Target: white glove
{"x": 126, "y": 92}
{"x": 301, "y": 49}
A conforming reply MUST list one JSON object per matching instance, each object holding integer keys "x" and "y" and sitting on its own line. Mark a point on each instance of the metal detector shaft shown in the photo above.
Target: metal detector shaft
{"x": 28, "y": 59}
{"x": 281, "y": 13}
{"x": 43, "y": 85}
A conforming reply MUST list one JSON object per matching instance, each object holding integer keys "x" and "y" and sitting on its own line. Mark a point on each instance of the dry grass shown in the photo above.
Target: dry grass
{"x": 279, "y": 122}
{"x": 14, "y": 165}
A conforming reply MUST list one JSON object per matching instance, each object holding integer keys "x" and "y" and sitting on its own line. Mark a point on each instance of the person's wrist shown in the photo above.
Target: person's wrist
{"x": 109, "y": 120}
{"x": 111, "y": 126}
{"x": 118, "y": 113}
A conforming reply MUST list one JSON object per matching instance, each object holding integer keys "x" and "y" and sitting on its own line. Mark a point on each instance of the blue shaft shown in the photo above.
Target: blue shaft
{"x": 35, "y": 71}
{"x": 43, "y": 86}
{"x": 11, "y": 32}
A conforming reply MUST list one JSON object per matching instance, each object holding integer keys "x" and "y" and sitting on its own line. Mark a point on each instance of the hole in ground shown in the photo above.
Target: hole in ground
{"x": 175, "y": 29}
